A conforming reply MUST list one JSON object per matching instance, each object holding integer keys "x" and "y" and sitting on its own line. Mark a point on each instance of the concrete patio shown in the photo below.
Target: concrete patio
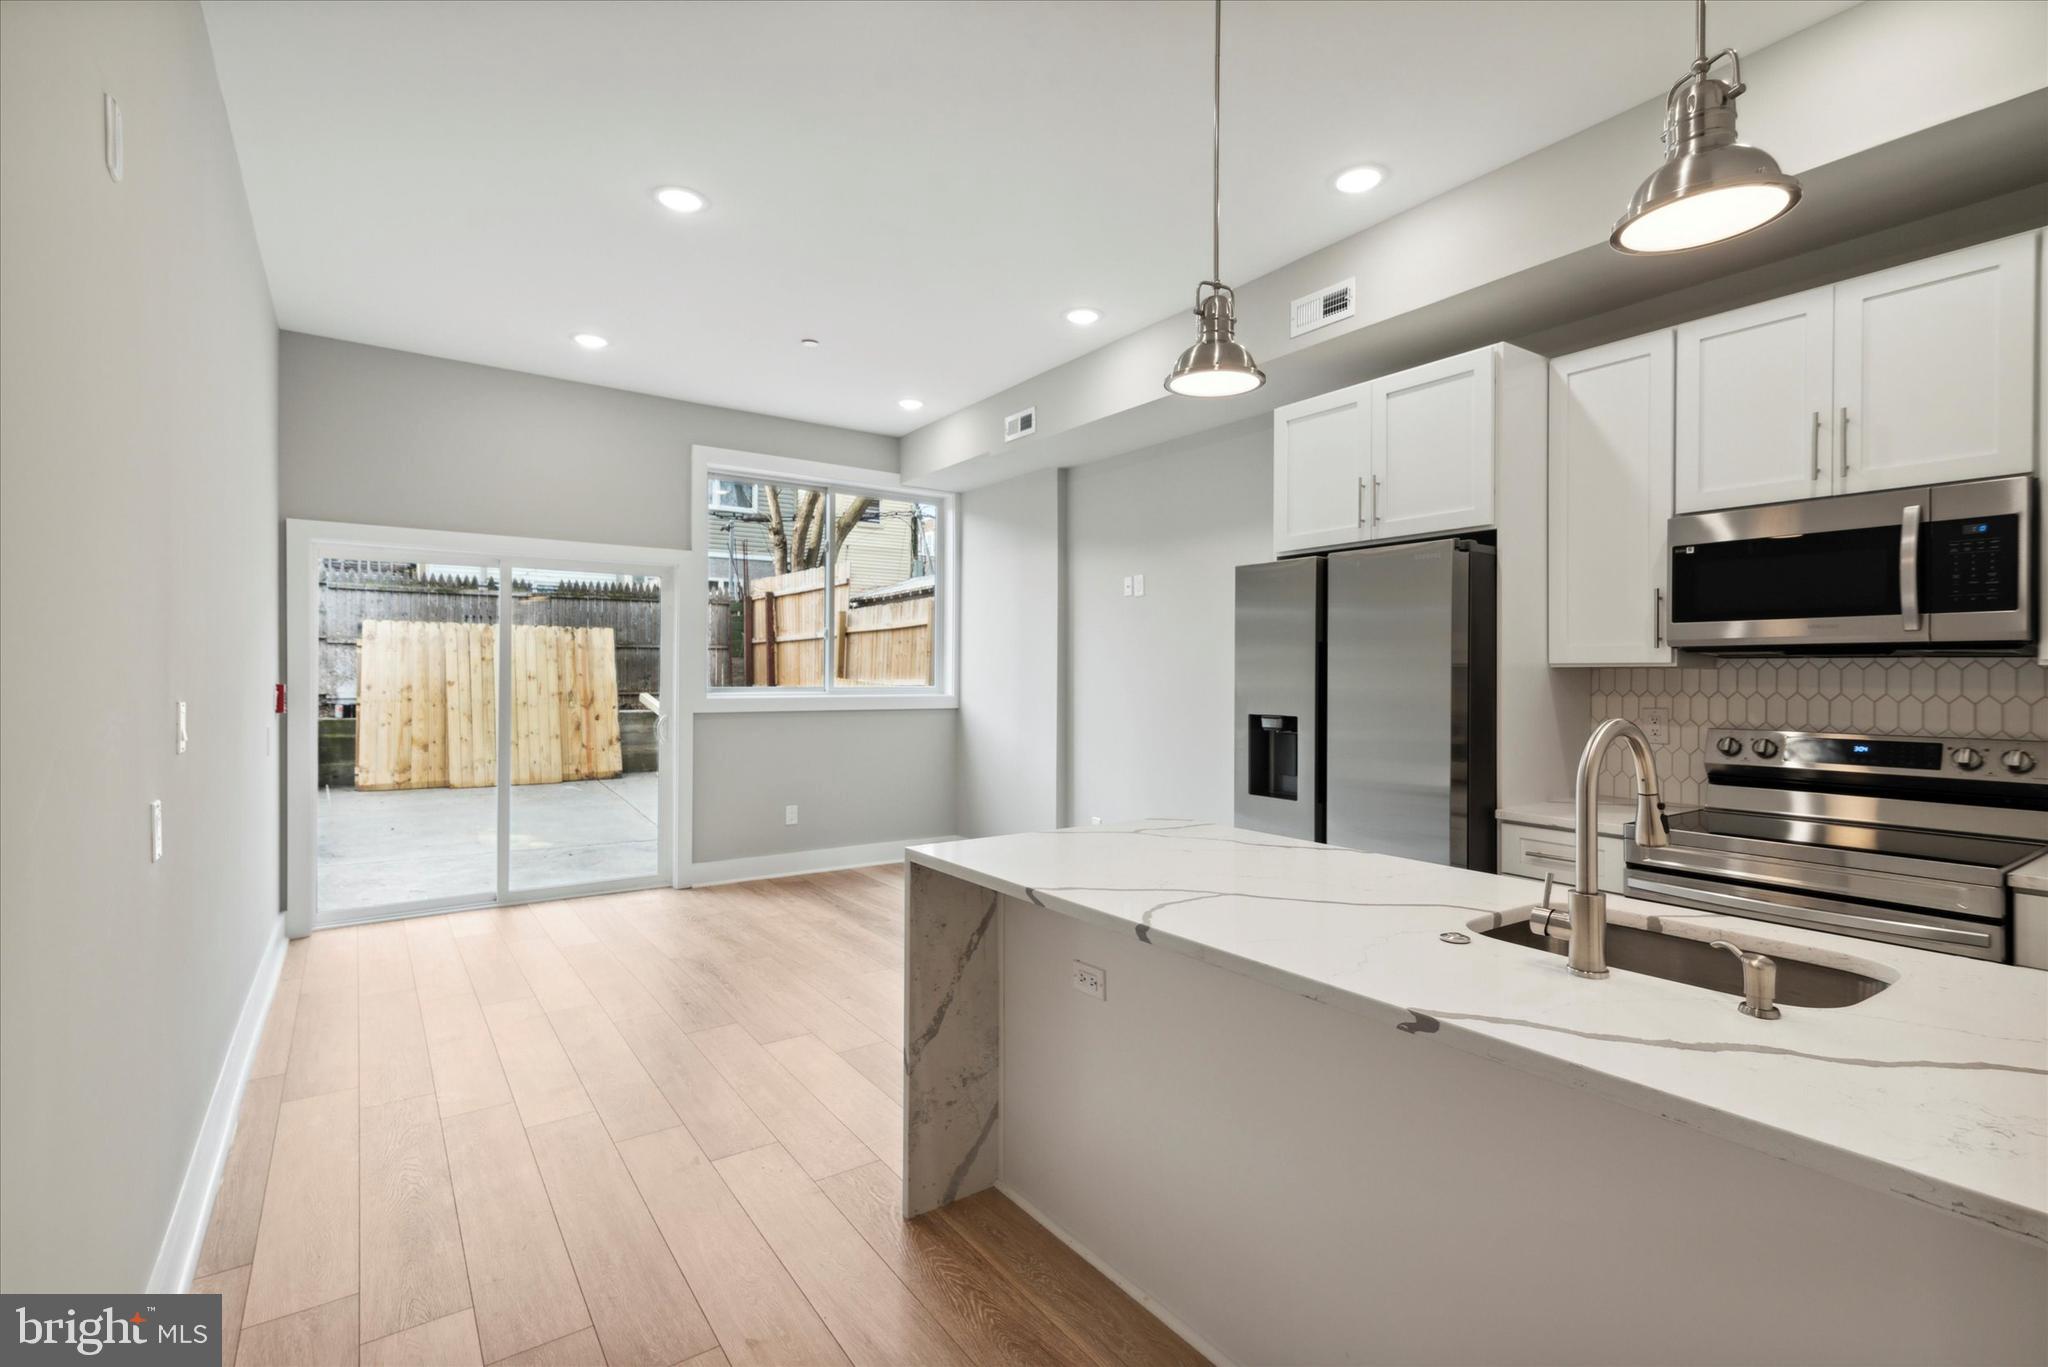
{"x": 379, "y": 849}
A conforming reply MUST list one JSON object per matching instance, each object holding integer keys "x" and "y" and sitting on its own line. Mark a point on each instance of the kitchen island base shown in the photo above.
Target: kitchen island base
{"x": 1298, "y": 1183}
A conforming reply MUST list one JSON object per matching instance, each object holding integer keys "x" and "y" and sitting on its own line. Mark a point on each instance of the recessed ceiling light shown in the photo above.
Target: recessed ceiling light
{"x": 808, "y": 341}
{"x": 678, "y": 200}
{"x": 590, "y": 341}
{"x": 910, "y": 405}
{"x": 1082, "y": 318}
{"x": 1358, "y": 179}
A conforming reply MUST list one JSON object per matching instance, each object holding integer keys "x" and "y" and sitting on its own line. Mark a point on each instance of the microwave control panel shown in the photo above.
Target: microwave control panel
{"x": 1970, "y": 565}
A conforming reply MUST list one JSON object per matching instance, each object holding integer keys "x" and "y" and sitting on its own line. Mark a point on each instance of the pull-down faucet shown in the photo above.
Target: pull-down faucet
{"x": 1583, "y": 922}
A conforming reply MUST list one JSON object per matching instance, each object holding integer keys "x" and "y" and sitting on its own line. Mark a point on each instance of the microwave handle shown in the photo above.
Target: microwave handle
{"x": 1909, "y": 568}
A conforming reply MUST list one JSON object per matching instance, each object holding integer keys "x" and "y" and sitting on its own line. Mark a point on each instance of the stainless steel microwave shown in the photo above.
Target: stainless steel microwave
{"x": 1946, "y": 569}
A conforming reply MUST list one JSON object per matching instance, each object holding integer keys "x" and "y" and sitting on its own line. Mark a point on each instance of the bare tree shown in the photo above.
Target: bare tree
{"x": 799, "y": 544}
{"x": 777, "y": 542}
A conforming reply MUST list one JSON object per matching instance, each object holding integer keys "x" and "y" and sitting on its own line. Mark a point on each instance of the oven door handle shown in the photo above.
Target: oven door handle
{"x": 1809, "y": 916}
{"x": 1909, "y": 568}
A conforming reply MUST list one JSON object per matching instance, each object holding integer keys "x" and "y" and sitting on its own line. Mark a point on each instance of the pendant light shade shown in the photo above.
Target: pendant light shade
{"x": 1217, "y": 365}
{"x": 1710, "y": 187}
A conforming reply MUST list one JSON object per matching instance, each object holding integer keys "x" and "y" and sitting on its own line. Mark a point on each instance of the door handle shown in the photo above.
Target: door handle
{"x": 1909, "y": 568}
{"x": 1364, "y": 518}
{"x": 1657, "y": 615}
{"x": 1817, "y": 472}
{"x": 1845, "y": 439}
{"x": 1375, "y": 500}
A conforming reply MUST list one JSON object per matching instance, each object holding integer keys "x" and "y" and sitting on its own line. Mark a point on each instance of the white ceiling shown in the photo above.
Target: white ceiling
{"x": 925, "y": 187}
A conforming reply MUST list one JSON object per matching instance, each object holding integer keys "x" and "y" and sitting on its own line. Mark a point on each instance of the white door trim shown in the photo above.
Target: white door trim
{"x": 307, "y": 541}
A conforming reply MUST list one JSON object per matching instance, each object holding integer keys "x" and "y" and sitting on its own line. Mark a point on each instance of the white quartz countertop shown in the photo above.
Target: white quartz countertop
{"x": 2031, "y": 877}
{"x": 1935, "y": 1089}
{"x": 1560, "y": 816}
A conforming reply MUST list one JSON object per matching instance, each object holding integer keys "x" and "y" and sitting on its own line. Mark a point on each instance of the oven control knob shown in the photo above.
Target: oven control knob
{"x": 1967, "y": 758}
{"x": 2019, "y": 761}
{"x": 1763, "y": 747}
{"x": 1730, "y": 746}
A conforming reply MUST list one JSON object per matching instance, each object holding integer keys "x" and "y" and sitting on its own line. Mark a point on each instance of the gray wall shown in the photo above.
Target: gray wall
{"x": 395, "y": 439}
{"x": 138, "y": 566}
{"x": 1010, "y": 753}
{"x": 1149, "y": 681}
{"x": 388, "y": 437}
{"x": 857, "y": 778}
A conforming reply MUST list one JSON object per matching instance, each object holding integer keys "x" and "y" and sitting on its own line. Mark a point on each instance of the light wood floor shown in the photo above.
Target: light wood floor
{"x": 632, "y": 1131}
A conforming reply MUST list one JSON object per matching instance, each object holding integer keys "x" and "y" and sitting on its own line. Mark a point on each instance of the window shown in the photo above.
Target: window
{"x": 816, "y": 587}
{"x": 735, "y": 496}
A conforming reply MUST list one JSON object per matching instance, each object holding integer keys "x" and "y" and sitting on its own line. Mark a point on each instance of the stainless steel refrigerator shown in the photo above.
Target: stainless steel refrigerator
{"x": 1365, "y": 700}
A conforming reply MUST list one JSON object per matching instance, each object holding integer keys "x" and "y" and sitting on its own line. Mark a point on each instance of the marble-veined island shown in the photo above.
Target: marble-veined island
{"x": 1304, "y": 1127}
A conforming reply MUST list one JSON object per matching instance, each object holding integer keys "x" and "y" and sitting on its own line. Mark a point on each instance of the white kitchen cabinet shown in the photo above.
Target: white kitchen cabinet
{"x": 1935, "y": 369}
{"x": 1407, "y": 455}
{"x": 1754, "y": 404}
{"x": 1320, "y": 470}
{"x": 1533, "y": 851}
{"x": 2030, "y": 929}
{"x": 1610, "y": 498}
{"x": 1432, "y": 446}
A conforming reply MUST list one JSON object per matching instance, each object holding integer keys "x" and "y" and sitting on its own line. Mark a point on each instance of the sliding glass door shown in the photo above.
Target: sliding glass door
{"x": 586, "y": 729}
{"x": 490, "y": 729}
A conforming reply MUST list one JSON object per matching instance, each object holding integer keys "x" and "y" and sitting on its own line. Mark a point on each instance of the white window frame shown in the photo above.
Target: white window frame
{"x": 706, "y": 461}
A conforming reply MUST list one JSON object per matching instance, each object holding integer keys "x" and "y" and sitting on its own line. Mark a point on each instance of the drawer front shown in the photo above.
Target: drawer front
{"x": 1533, "y": 851}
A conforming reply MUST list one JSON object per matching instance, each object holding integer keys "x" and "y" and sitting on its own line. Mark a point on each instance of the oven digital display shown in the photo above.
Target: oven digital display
{"x": 1877, "y": 754}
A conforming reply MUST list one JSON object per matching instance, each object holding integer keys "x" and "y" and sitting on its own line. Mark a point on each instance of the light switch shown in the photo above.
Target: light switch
{"x": 789, "y": 815}
{"x": 156, "y": 830}
{"x": 183, "y": 741}
{"x": 1138, "y": 584}
{"x": 1127, "y": 586}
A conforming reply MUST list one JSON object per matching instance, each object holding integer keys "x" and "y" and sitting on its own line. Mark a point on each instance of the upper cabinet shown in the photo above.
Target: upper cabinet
{"x": 1432, "y": 447}
{"x": 1320, "y": 470}
{"x": 1753, "y": 407}
{"x": 1610, "y": 497}
{"x": 1935, "y": 369}
{"x": 1405, "y": 455}
{"x": 1923, "y": 374}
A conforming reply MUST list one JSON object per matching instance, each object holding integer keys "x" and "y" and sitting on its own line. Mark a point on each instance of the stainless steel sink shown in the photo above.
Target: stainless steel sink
{"x": 1698, "y": 964}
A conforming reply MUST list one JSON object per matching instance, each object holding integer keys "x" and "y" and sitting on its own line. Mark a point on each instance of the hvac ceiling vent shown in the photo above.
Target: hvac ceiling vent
{"x": 1020, "y": 424}
{"x": 1324, "y": 307}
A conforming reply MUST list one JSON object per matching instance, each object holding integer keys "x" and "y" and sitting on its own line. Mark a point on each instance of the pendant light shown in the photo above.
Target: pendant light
{"x": 1217, "y": 365}
{"x": 1710, "y": 187}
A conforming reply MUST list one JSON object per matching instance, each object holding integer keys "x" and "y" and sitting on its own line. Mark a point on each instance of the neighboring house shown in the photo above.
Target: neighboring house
{"x": 892, "y": 542}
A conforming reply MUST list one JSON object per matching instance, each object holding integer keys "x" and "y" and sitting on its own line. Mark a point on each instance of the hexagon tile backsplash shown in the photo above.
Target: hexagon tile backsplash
{"x": 2006, "y": 699}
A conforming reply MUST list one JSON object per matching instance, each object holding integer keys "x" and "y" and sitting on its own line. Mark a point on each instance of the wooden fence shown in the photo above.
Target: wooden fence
{"x": 783, "y": 627}
{"x": 427, "y": 713}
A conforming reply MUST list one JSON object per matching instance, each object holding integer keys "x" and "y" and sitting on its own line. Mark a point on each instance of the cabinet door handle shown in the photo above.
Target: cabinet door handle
{"x": 1657, "y": 612}
{"x": 1817, "y": 471}
{"x": 1364, "y": 517}
{"x": 1845, "y": 439}
{"x": 1375, "y": 500}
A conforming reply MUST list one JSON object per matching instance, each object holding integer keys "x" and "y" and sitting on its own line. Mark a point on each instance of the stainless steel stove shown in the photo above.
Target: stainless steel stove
{"x": 1909, "y": 839}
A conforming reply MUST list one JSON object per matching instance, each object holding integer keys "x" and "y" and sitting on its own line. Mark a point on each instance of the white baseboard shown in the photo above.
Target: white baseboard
{"x": 1165, "y": 1316}
{"x": 179, "y": 1252}
{"x": 802, "y": 861}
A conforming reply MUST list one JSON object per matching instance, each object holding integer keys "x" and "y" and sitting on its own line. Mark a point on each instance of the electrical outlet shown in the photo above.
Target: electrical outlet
{"x": 1657, "y": 725}
{"x": 1091, "y": 981}
{"x": 1127, "y": 586}
{"x": 789, "y": 815}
